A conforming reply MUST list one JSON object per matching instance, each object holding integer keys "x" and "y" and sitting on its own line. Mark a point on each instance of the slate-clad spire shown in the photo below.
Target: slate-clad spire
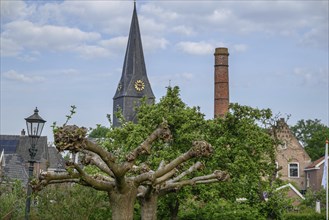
{"x": 134, "y": 83}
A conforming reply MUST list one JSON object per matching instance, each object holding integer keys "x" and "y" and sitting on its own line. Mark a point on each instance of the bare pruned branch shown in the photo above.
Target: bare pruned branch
{"x": 94, "y": 181}
{"x": 91, "y": 158}
{"x": 46, "y": 178}
{"x": 211, "y": 178}
{"x": 199, "y": 149}
{"x": 197, "y": 166}
{"x": 162, "y": 132}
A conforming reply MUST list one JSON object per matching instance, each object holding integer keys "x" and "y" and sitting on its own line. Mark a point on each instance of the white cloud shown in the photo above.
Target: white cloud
{"x": 9, "y": 47}
{"x": 69, "y": 72}
{"x": 151, "y": 26}
{"x": 151, "y": 43}
{"x": 283, "y": 18}
{"x": 104, "y": 16}
{"x": 240, "y": 47}
{"x": 12, "y": 10}
{"x": 311, "y": 77}
{"x": 13, "y": 75}
{"x": 184, "y": 30}
{"x": 115, "y": 43}
{"x": 90, "y": 51}
{"x": 196, "y": 48}
{"x": 316, "y": 37}
{"x": 20, "y": 35}
{"x": 220, "y": 16}
{"x": 161, "y": 13}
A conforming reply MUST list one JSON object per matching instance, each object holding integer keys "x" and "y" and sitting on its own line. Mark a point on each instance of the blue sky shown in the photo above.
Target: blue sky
{"x": 55, "y": 54}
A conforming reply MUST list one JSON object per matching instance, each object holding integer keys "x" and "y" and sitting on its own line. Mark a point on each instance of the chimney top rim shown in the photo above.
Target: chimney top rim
{"x": 221, "y": 50}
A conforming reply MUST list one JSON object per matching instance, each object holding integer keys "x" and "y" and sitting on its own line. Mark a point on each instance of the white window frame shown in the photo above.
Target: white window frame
{"x": 297, "y": 170}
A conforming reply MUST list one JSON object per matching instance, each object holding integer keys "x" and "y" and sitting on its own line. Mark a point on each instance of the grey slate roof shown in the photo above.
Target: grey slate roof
{"x": 17, "y": 156}
{"x": 133, "y": 69}
{"x": 56, "y": 160}
{"x": 14, "y": 168}
{"x": 22, "y": 145}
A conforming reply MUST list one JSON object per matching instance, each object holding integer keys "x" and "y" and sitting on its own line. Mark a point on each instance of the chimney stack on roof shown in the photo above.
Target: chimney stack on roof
{"x": 23, "y": 132}
{"x": 221, "y": 82}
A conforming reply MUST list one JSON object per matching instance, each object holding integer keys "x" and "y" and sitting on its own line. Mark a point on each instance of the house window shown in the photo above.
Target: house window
{"x": 294, "y": 170}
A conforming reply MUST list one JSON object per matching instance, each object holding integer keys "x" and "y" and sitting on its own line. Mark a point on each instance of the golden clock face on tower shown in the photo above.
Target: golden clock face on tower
{"x": 139, "y": 85}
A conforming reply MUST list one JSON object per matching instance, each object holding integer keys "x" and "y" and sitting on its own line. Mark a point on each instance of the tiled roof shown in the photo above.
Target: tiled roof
{"x": 56, "y": 160}
{"x": 20, "y": 145}
{"x": 16, "y": 155}
{"x": 315, "y": 163}
{"x": 9, "y": 146}
{"x": 14, "y": 168}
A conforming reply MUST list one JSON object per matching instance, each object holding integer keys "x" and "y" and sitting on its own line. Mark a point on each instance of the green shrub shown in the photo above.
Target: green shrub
{"x": 223, "y": 210}
{"x": 12, "y": 200}
{"x": 70, "y": 202}
{"x": 304, "y": 216}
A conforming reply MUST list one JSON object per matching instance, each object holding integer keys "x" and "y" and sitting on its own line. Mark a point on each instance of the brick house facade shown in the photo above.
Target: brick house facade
{"x": 291, "y": 158}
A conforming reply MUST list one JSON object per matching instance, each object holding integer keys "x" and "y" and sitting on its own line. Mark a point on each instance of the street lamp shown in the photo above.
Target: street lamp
{"x": 34, "y": 125}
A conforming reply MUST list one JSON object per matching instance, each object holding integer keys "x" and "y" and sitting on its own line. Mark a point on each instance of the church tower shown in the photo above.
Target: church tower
{"x": 134, "y": 83}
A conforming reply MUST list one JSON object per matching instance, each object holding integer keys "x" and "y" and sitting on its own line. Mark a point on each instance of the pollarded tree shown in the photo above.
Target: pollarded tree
{"x": 242, "y": 145}
{"x": 186, "y": 124}
{"x": 126, "y": 172}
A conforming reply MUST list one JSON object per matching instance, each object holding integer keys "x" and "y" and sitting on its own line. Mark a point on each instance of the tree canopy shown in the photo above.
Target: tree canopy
{"x": 173, "y": 146}
{"x": 312, "y": 134}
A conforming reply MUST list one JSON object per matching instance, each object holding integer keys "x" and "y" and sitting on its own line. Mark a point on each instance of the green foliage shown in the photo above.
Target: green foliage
{"x": 243, "y": 147}
{"x": 220, "y": 209}
{"x": 72, "y": 112}
{"x": 12, "y": 200}
{"x": 312, "y": 197}
{"x": 304, "y": 216}
{"x": 71, "y": 202}
{"x": 245, "y": 150}
{"x": 277, "y": 205}
{"x": 312, "y": 134}
{"x": 68, "y": 117}
{"x": 242, "y": 144}
{"x": 99, "y": 132}
{"x": 186, "y": 124}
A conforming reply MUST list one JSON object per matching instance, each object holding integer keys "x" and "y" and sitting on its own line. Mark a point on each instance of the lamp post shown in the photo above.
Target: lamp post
{"x": 34, "y": 125}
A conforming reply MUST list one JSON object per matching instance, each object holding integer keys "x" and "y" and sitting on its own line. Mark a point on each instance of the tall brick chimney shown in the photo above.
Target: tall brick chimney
{"x": 222, "y": 99}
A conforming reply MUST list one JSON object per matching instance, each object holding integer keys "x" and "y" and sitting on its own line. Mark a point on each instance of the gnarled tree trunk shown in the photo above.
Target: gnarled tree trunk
{"x": 149, "y": 207}
{"x": 122, "y": 204}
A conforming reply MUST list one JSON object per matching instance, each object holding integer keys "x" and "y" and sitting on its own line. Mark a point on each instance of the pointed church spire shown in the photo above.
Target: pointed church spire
{"x": 134, "y": 83}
